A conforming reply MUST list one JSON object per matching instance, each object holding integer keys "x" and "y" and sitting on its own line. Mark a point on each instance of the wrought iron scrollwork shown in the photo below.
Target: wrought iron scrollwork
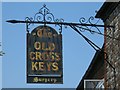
{"x": 82, "y": 20}
{"x": 60, "y": 25}
{"x": 44, "y": 15}
{"x": 28, "y": 20}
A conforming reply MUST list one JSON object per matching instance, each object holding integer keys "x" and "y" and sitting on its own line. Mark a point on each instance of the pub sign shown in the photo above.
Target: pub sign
{"x": 44, "y": 56}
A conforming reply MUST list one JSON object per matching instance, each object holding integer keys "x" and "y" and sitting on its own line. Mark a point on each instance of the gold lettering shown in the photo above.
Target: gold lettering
{"x": 37, "y": 45}
{"x": 41, "y": 66}
{"x": 38, "y": 56}
{"x": 39, "y": 33}
{"x": 51, "y": 46}
{"x": 44, "y": 46}
{"x": 45, "y": 56}
{"x": 57, "y": 57}
{"x": 45, "y": 79}
{"x": 44, "y": 32}
{"x": 49, "y": 34}
{"x": 52, "y": 57}
{"x": 55, "y": 35}
{"x": 34, "y": 67}
{"x": 55, "y": 66}
{"x": 48, "y": 66}
{"x": 32, "y": 55}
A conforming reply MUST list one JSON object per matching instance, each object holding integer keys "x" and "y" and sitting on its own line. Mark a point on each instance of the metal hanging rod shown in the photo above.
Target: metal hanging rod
{"x": 60, "y": 23}
{"x": 88, "y": 40}
{"x": 44, "y": 16}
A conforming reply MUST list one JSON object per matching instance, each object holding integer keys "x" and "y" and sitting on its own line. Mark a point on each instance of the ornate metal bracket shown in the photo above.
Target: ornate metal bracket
{"x": 44, "y": 16}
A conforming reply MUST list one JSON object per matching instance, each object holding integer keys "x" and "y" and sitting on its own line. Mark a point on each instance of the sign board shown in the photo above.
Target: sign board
{"x": 44, "y": 56}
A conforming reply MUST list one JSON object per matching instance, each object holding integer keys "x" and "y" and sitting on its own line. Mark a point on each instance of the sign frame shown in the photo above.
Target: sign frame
{"x": 39, "y": 37}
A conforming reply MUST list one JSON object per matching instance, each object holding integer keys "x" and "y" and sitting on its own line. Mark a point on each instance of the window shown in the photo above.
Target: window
{"x": 94, "y": 83}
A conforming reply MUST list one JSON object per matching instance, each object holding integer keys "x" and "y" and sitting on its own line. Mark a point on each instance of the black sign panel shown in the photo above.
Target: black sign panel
{"x": 44, "y": 56}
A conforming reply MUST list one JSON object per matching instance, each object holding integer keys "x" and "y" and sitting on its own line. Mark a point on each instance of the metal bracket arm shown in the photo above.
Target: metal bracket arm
{"x": 62, "y": 23}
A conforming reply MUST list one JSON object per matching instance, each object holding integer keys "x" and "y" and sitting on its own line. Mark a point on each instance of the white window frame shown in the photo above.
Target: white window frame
{"x": 100, "y": 84}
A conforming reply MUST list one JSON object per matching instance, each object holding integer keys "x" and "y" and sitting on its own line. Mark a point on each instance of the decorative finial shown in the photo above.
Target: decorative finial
{"x": 44, "y": 5}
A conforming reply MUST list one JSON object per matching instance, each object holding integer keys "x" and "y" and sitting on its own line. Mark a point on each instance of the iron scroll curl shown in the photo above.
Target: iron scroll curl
{"x": 83, "y": 20}
{"x": 44, "y": 15}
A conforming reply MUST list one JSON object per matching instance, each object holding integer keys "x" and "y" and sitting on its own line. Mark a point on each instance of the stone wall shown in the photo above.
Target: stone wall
{"x": 112, "y": 47}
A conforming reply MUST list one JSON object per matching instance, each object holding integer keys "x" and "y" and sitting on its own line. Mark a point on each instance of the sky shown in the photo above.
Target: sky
{"x": 0, "y": 47}
{"x": 77, "y": 53}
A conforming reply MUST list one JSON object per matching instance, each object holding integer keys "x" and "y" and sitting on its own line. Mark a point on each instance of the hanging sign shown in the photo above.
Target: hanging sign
{"x": 44, "y": 56}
